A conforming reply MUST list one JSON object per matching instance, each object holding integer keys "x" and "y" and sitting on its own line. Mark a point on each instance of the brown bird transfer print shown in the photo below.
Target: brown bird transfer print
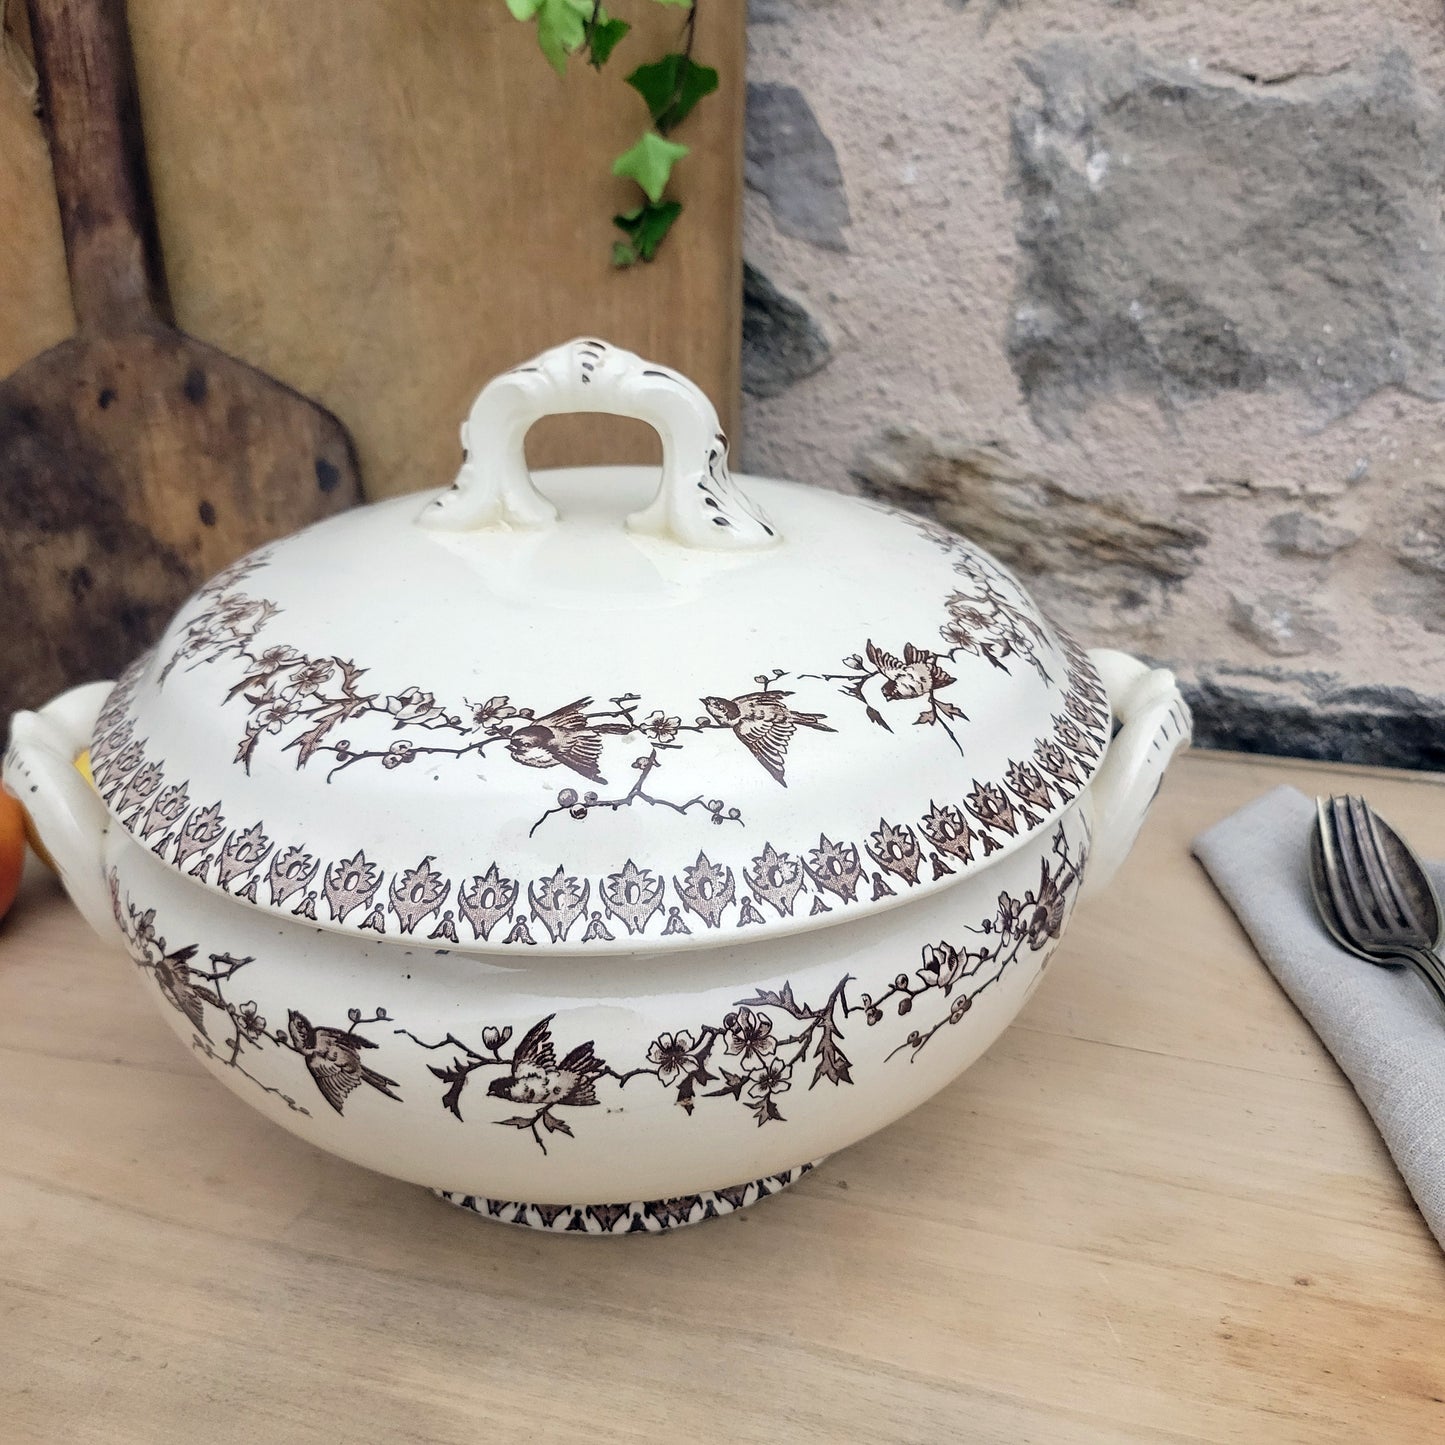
{"x": 566, "y": 736}
{"x": 333, "y": 1059}
{"x": 915, "y": 675}
{"x": 764, "y": 724}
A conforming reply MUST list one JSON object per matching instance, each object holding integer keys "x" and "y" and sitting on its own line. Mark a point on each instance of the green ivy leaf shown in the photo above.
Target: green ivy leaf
{"x": 561, "y": 26}
{"x": 603, "y": 36}
{"x": 671, "y": 87}
{"x": 649, "y": 163}
{"x": 645, "y": 227}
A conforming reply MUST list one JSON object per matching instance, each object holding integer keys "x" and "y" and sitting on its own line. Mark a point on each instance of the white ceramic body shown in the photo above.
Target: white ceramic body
{"x": 558, "y": 1064}
{"x": 635, "y": 1142}
{"x": 232, "y": 980}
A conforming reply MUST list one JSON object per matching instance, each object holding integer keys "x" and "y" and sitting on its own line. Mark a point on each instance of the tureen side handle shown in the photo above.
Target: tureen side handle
{"x": 69, "y": 818}
{"x": 1154, "y": 722}
{"x": 697, "y": 503}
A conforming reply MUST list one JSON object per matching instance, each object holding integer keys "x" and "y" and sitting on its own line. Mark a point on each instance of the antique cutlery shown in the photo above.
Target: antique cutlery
{"x": 1372, "y": 892}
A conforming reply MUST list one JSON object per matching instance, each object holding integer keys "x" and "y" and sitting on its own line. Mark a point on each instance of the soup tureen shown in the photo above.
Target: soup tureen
{"x": 599, "y": 874}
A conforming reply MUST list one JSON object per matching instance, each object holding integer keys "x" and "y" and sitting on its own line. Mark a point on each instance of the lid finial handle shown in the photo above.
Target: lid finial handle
{"x": 697, "y": 504}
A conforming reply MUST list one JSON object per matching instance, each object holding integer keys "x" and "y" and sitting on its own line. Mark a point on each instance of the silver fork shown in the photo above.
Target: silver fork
{"x": 1372, "y": 893}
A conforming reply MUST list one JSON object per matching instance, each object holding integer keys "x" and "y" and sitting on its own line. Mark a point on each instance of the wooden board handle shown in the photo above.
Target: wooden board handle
{"x": 92, "y": 115}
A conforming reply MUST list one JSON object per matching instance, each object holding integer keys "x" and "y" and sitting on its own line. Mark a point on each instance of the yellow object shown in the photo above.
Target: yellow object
{"x": 82, "y": 766}
{"x": 37, "y": 847}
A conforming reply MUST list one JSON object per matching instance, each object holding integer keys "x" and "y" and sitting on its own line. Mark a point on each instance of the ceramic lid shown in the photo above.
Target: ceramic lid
{"x": 502, "y": 716}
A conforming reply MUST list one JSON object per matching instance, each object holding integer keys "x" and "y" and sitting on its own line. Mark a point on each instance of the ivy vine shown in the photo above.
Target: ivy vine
{"x": 670, "y": 87}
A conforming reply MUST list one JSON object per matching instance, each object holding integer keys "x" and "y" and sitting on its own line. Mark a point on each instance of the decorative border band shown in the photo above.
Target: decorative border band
{"x": 651, "y": 1216}
{"x": 307, "y": 699}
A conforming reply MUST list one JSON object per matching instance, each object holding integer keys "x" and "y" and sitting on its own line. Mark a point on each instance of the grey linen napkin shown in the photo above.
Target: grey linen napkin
{"x": 1382, "y": 1025}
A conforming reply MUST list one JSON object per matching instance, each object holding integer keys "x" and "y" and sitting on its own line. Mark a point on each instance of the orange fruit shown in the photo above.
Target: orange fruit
{"x": 12, "y": 849}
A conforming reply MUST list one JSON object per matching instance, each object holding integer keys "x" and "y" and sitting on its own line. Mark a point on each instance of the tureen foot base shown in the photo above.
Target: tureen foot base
{"x": 650, "y": 1216}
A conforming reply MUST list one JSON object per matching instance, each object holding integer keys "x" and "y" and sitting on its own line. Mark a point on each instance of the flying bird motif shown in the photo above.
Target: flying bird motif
{"x": 333, "y": 1058}
{"x": 173, "y": 973}
{"x": 538, "y": 1080}
{"x": 917, "y": 674}
{"x": 566, "y": 736}
{"x": 1044, "y": 912}
{"x": 764, "y": 724}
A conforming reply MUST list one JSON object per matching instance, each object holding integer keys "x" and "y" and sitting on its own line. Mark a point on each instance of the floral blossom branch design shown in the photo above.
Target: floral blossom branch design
{"x": 228, "y": 623}
{"x": 569, "y": 801}
{"x": 919, "y": 673}
{"x": 1030, "y": 922}
{"x": 535, "y": 1079}
{"x": 753, "y": 1053}
{"x": 764, "y": 1063}
{"x": 740, "y": 888}
{"x": 189, "y": 988}
{"x": 749, "y": 1033}
{"x": 661, "y": 731}
{"x": 303, "y": 700}
{"x": 988, "y": 624}
{"x": 331, "y": 1055}
{"x": 983, "y": 621}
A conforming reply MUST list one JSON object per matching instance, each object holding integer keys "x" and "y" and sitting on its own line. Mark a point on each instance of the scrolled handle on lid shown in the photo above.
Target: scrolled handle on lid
{"x": 697, "y": 503}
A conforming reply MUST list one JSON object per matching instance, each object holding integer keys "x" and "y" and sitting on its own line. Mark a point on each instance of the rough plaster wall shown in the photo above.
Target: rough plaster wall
{"x": 1150, "y": 298}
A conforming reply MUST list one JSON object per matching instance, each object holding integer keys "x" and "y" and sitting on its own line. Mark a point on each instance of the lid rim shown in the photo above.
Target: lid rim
{"x": 1033, "y": 764}
{"x": 113, "y": 790}
{"x": 626, "y": 947}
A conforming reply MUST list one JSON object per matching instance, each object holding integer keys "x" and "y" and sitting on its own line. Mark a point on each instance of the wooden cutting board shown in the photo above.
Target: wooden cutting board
{"x": 385, "y": 202}
{"x": 135, "y": 460}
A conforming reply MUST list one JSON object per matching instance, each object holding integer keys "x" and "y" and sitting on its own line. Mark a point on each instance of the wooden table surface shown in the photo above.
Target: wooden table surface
{"x": 1154, "y": 1212}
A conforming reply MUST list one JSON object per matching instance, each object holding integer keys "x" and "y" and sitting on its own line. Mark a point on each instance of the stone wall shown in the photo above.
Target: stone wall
{"x": 1149, "y": 299}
